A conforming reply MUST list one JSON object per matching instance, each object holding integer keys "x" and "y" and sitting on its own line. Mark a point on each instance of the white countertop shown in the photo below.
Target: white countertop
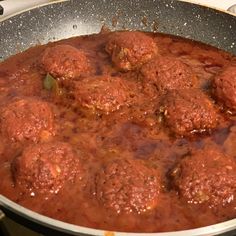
{"x": 221, "y": 4}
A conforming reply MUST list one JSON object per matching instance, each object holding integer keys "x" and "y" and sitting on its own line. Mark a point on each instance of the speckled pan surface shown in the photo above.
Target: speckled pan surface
{"x": 69, "y": 18}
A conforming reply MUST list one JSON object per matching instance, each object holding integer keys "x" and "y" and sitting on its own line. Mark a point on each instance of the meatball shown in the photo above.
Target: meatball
{"x": 25, "y": 119}
{"x": 129, "y": 50}
{"x": 206, "y": 177}
{"x": 127, "y": 186}
{"x": 224, "y": 86}
{"x": 45, "y": 167}
{"x": 27, "y": 84}
{"x": 168, "y": 73}
{"x": 188, "y": 111}
{"x": 65, "y": 61}
{"x": 102, "y": 93}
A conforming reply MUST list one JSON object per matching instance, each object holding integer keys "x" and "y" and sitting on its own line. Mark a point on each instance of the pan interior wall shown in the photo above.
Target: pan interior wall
{"x": 71, "y": 18}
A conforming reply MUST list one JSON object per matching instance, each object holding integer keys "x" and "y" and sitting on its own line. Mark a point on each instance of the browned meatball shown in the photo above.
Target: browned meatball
{"x": 65, "y": 61}
{"x": 188, "y": 111}
{"x": 225, "y": 87}
{"x": 25, "y": 82}
{"x": 27, "y": 119}
{"x": 206, "y": 177}
{"x": 127, "y": 186}
{"x": 102, "y": 92}
{"x": 168, "y": 73}
{"x": 129, "y": 50}
{"x": 45, "y": 167}
{"x": 30, "y": 79}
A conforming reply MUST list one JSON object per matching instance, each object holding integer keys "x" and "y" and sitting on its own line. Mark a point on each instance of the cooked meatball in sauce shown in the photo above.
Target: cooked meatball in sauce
{"x": 129, "y": 50}
{"x": 65, "y": 61}
{"x": 45, "y": 166}
{"x": 224, "y": 86}
{"x": 120, "y": 131}
{"x": 103, "y": 93}
{"x": 127, "y": 185}
{"x": 168, "y": 73}
{"x": 27, "y": 118}
{"x": 207, "y": 177}
{"x": 26, "y": 78}
{"x": 189, "y": 111}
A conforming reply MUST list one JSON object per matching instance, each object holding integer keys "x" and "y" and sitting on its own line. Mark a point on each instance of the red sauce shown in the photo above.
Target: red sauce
{"x": 133, "y": 132}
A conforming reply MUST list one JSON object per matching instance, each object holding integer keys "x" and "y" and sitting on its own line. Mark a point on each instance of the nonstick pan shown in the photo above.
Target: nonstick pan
{"x": 65, "y": 19}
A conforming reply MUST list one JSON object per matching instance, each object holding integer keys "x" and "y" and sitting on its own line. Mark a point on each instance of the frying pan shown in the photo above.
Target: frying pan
{"x": 64, "y": 19}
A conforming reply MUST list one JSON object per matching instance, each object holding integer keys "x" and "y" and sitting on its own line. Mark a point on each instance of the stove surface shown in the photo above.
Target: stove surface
{"x": 11, "y": 228}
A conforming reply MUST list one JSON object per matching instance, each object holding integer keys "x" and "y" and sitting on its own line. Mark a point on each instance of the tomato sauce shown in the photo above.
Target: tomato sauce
{"x": 134, "y": 132}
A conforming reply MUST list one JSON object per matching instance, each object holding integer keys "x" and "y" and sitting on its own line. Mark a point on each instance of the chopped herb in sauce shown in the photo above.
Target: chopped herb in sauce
{"x": 51, "y": 84}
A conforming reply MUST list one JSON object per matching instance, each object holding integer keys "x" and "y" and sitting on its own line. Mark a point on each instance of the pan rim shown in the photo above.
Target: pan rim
{"x": 60, "y": 1}
{"x": 208, "y": 6}
{"x": 32, "y": 8}
{"x": 75, "y": 229}
{"x": 46, "y": 221}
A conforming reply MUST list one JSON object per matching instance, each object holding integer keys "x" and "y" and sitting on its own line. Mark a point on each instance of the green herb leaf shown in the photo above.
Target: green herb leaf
{"x": 49, "y": 82}
{"x": 52, "y": 84}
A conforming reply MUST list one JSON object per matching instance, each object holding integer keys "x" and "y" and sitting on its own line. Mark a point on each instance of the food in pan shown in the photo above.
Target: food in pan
{"x": 103, "y": 93}
{"x": 124, "y": 131}
{"x": 130, "y": 51}
{"x": 168, "y": 73}
{"x": 206, "y": 177}
{"x": 45, "y": 166}
{"x": 224, "y": 85}
{"x": 127, "y": 185}
{"x": 26, "y": 119}
{"x": 188, "y": 111}
{"x": 65, "y": 61}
